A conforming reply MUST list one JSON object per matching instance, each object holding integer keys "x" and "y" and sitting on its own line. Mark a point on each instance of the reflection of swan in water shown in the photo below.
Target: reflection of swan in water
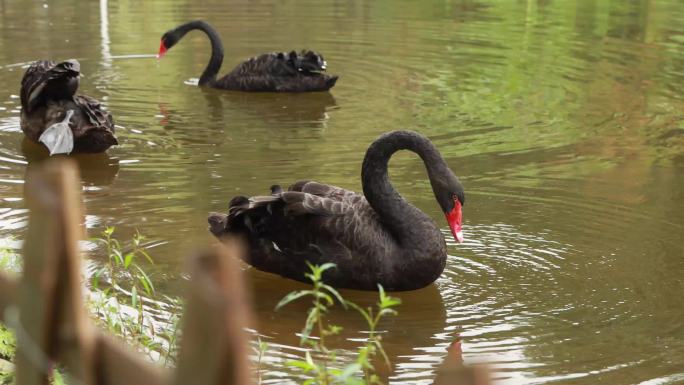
{"x": 234, "y": 111}
{"x": 421, "y": 316}
{"x": 271, "y": 107}
{"x": 96, "y": 169}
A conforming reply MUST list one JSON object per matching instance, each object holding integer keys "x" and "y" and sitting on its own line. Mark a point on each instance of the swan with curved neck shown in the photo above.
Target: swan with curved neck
{"x": 375, "y": 238}
{"x": 274, "y": 72}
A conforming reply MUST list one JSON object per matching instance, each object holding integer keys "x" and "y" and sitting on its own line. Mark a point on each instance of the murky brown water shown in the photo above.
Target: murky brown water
{"x": 565, "y": 122}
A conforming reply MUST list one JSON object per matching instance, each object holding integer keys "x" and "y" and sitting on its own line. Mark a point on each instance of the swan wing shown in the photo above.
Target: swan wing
{"x": 97, "y": 116}
{"x": 293, "y": 203}
{"x": 323, "y": 190}
{"x": 279, "y": 72}
{"x": 268, "y": 64}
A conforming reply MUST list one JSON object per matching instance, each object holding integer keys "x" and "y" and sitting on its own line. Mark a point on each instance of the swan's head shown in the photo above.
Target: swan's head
{"x": 217, "y": 223}
{"x": 451, "y": 198}
{"x": 168, "y": 40}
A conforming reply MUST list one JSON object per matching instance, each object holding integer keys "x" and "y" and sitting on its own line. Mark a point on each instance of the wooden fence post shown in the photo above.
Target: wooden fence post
{"x": 53, "y": 324}
{"x": 214, "y": 347}
{"x": 117, "y": 364}
{"x": 7, "y": 293}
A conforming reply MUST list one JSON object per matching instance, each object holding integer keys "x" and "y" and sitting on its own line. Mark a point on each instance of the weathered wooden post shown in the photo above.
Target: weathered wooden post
{"x": 7, "y": 292}
{"x": 52, "y": 317}
{"x": 214, "y": 347}
{"x": 117, "y": 364}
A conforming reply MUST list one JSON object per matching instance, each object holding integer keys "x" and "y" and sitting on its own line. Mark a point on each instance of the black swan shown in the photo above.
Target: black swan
{"x": 274, "y": 72}
{"x": 375, "y": 238}
{"x": 53, "y": 114}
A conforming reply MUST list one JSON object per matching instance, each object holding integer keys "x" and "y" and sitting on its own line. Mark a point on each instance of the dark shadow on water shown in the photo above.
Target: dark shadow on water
{"x": 421, "y": 315}
{"x": 95, "y": 169}
{"x": 308, "y": 107}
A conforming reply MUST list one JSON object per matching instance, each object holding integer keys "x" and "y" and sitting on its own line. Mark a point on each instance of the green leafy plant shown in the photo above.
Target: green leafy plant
{"x": 260, "y": 349}
{"x": 373, "y": 345}
{"x": 9, "y": 262}
{"x": 170, "y": 333}
{"x": 320, "y": 362}
{"x": 123, "y": 298}
{"x": 123, "y": 264}
{"x": 7, "y": 343}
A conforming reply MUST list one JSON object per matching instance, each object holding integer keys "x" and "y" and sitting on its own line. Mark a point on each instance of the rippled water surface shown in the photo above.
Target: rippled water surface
{"x": 564, "y": 120}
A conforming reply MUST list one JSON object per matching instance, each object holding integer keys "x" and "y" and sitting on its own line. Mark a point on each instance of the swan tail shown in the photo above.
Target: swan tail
{"x": 330, "y": 82}
{"x": 245, "y": 215}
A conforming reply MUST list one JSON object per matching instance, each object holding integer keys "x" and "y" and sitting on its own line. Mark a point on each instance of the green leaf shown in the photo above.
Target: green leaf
{"x": 383, "y": 353}
{"x": 118, "y": 257}
{"x": 317, "y": 271}
{"x": 386, "y": 300}
{"x": 326, "y": 266}
{"x": 375, "y": 379}
{"x": 301, "y": 365}
{"x": 147, "y": 256}
{"x": 309, "y": 360}
{"x": 322, "y": 295}
{"x": 145, "y": 281}
{"x": 363, "y": 312}
{"x": 311, "y": 277}
{"x": 337, "y": 295}
{"x": 333, "y": 330}
{"x": 128, "y": 259}
{"x": 349, "y": 371}
{"x": 95, "y": 280}
{"x": 384, "y": 312}
{"x": 134, "y": 296}
{"x": 97, "y": 240}
{"x": 389, "y": 302}
{"x": 57, "y": 378}
{"x": 292, "y": 296}
{"x": 311, "y": 319}
{"x": 263, "y": 346}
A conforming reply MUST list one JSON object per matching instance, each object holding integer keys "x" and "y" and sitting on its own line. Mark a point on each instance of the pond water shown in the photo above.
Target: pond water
{"x": 564, "y": 120}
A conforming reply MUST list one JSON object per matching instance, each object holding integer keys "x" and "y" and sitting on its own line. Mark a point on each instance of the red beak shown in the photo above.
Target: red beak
{"x": 162, "y": 50}
{"x": 455, "y": 219}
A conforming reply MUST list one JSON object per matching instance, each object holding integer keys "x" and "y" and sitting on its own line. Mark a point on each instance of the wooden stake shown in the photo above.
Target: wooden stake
{"x": 51, "y": 299}
{"x": 215, "y": 348}
{"x": 8, "y": 288}
{"x": 117, "y": 364}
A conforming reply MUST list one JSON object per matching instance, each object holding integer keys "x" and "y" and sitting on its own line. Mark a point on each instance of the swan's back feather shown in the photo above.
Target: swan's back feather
{"x": 278, "y": 71}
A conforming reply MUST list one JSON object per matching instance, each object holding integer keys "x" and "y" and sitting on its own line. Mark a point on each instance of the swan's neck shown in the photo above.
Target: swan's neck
{"x": 399, "y": 216}
{"x": 209, "y": 74}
